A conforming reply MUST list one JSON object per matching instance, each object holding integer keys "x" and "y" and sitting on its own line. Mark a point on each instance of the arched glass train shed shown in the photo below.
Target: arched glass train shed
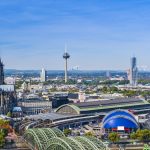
{"x": 93, "y": 107}
{"x": 120, "y": 121}
{"x": 54, "y": 139}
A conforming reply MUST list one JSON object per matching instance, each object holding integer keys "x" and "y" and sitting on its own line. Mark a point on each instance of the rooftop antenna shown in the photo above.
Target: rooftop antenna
{"x": 65, "y": 48}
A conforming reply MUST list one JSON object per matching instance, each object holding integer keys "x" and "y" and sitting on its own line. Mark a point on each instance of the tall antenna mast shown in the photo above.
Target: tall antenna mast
{"x": 66, "y": 56}
{"x": 65, "y": 48}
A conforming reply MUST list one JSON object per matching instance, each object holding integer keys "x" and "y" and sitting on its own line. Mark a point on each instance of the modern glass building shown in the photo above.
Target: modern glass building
{"x": 120, "y": 121}
{"x": 133, "y": 72}
{"x": 43, "y": 75}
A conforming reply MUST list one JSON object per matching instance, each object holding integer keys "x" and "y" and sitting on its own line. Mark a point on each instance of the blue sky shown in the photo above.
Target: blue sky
{"x": 100, "y": 34}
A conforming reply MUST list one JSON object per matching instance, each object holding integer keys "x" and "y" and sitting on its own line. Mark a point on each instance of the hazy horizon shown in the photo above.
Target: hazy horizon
{"x": 100, "y": 35}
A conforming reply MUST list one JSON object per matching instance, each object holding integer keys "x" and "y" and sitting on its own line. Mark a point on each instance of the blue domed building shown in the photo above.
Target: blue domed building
{"x": 119, "y": 121}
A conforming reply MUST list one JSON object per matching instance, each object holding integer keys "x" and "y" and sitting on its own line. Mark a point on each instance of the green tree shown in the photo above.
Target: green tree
{"x": 2, "y": 139}
{"x": 18, "y": 84}
{"x": 113, "y": 89}
{"x": 89, "y": 134}
{"x": 4, "y": 132}
{"x": 9, "y": 114}
{"x": 123, "y": 82}
{"x": 129, "y": 93}
{"x": 114, "y": 137}
{"x": 145, "y": 94}
{"x": 143, "y": 135}
{"x": 67, "y": 132}
{"x": 133, "y": 136}
{"x": 104, "y": 89}
{"x": 3, "y": 123}
{"x": 146, "y": 147}
{"x": 78, "y": 133}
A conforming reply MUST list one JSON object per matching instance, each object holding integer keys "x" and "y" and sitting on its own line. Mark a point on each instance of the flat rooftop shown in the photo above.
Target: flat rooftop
{"x": 112, "y": 102}
{"x": 52, "y": 116}
{"x": 104, "y": 106}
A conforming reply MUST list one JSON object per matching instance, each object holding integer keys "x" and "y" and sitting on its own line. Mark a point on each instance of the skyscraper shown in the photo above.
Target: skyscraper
{"x": 43, "y": 75}
{"x": 66, "y": 56}
{"x": 1, "y": 72}
{"x": 133, "y": 72}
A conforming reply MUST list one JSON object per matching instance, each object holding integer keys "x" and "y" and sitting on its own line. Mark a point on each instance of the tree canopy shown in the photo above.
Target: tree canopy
{"x": 67, "y": 132}
{"x": 142, "y": 135}
{"x": 114, "y": 137}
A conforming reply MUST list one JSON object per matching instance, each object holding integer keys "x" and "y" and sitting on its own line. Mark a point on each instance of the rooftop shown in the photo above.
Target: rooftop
{"x": 120, "y": 118}
{"x": 7, "y": 88}
{"x": 105, "y": 105}
{"x": 50, "y": 116}
{"x": 118, "y": 101}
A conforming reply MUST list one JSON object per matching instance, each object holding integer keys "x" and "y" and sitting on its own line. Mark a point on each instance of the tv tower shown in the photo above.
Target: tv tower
{"x": 66, "y": 56}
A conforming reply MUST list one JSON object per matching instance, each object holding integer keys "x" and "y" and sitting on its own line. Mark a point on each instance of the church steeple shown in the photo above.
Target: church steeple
{"x": 1, "y": 72}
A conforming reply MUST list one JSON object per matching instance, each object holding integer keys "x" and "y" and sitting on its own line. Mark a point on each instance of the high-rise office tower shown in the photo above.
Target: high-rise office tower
{"x": 43, "y": 75}
{"x": 66, "y": 56}
{"x": 108, "y": 75}
{"x": 1, "y": 72}
{"x": 133, "y": 72}
{"x": 129, "y": 74}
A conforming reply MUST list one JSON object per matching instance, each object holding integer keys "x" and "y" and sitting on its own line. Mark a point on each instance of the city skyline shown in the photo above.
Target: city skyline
{"x": 101, "y": 35}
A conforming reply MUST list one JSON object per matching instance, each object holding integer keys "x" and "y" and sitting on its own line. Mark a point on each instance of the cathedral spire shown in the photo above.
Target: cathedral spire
{"x": 1, "y": 62}
{"x": 1, "y": 72}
